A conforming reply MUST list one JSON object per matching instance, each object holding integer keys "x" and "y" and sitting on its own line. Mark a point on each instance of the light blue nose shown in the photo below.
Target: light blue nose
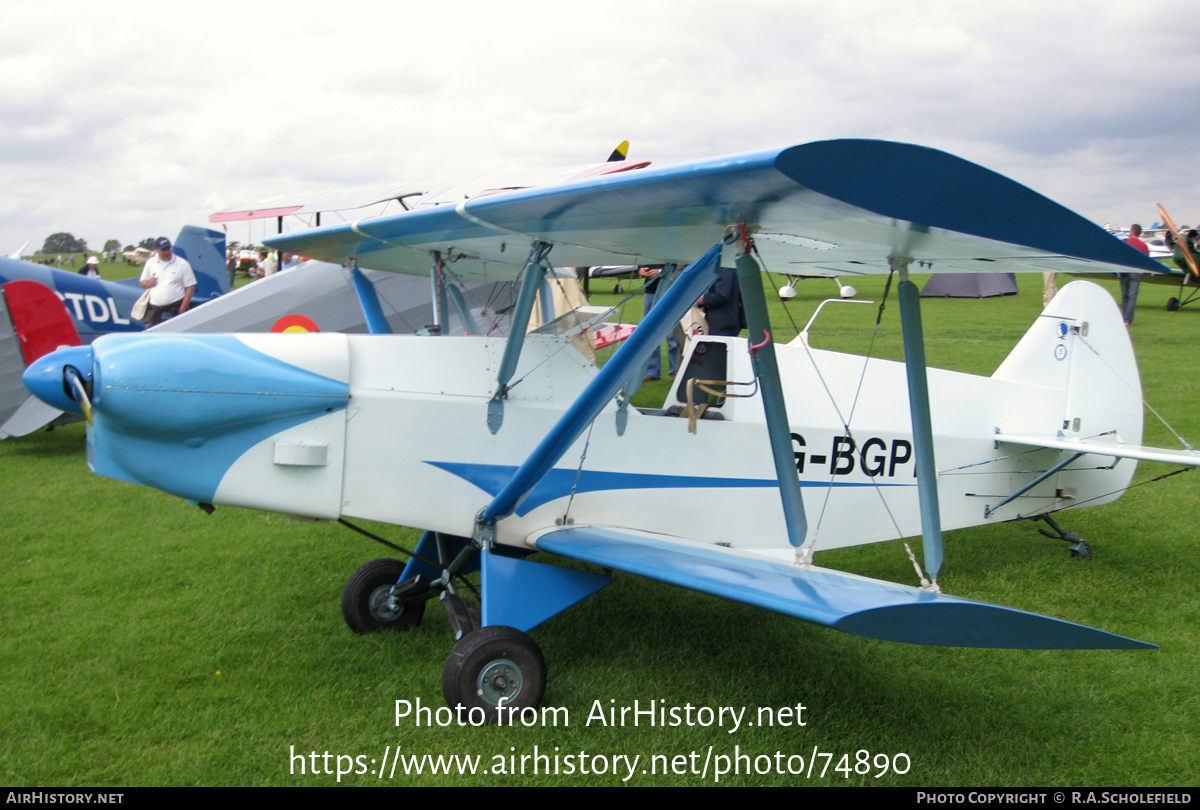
{"x": 46, "y": 376}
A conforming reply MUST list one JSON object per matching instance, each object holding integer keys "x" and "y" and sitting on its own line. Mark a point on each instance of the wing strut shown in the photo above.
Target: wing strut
{"x": 437, "y": 279}
{"x": 368, "y": 301}
{"x": 653, "y": 329}
{"x": 546, "y": 298}
{"x": 762, "y": 357}
{"x": 922, "y": 427}
{"x": 464, "y": 311}
{"x": 531, "y": 281}
{"x": 988, "y": 510}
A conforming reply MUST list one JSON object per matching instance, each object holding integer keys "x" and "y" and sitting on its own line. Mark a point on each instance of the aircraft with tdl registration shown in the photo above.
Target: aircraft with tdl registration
{"x": 42, "y": 308}
{"x": 763, "y": 454}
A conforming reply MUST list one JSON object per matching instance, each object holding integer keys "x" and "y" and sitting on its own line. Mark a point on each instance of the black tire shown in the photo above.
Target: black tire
{"x": 1172, "y": 304}
{"x": 364, "y": 599}
{"x": 491, "y": 667}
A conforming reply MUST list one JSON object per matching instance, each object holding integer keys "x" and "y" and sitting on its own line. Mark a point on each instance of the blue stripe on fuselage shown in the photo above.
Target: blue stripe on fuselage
{"x": 559, "y": 483}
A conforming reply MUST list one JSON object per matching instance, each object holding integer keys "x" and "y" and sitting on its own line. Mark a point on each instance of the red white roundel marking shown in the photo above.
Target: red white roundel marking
{"x": 295, "y": 323}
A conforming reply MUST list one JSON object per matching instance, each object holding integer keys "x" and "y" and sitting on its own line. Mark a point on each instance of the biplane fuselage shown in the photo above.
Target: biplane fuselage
{"x": 399, "y": 433}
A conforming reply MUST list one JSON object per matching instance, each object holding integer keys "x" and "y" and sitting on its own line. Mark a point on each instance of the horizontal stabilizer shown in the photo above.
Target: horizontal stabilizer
{"x": 854, "y": 604}
{"x": 1113, "y": 449}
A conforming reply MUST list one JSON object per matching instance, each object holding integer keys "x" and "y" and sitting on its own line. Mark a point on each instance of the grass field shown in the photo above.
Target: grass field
{"x": 146, "y": 643}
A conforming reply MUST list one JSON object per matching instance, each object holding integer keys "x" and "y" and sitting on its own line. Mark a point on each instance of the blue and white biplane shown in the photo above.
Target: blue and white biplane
{"x": 499, "y": 447}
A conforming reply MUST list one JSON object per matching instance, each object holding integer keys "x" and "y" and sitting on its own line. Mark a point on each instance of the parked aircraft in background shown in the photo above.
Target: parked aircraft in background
{"x": 93, "y": 307}
{"x": 139, "y": 255}
{"x": 1182, "y": 246}
{"x": 381, "y": 197}
{"x": 324, "y": 294}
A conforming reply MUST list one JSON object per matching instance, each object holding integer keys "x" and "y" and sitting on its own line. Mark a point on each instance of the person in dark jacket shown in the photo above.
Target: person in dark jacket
{"x": 722, "y": 305}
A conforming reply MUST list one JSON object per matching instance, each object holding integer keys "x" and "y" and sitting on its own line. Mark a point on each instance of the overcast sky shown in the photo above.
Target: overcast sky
{"x": 130, "y": 119}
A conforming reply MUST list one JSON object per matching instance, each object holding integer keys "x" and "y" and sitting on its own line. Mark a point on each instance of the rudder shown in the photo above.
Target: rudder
{"x": 204, "y": 250}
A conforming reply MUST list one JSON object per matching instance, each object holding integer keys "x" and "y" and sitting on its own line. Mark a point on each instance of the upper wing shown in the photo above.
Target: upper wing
{"x": 826, "y": 208}
{"x": 854, "y": 604}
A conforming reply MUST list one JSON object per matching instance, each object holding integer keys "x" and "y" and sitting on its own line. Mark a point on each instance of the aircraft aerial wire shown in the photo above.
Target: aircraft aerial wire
{"x": 806, "y": 551}
{"x": 1124, "y": 382}
{"x": 1114, "y": 492}
{"x": 578, "y": 472}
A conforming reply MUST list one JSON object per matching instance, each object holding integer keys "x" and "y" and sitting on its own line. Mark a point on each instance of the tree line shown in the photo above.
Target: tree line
{"x": 64, "y": 242}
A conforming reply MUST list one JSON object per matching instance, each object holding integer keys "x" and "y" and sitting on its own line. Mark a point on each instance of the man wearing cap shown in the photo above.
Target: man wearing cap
{"x": 170, "y": 280}
{"x": 92, "y": 268}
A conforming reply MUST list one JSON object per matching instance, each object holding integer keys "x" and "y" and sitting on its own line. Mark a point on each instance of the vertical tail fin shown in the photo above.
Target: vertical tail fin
{"x": 205, "y": 251}
{"x": 1079, "y": 353}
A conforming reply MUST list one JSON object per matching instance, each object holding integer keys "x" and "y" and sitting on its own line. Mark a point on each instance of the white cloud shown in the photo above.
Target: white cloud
{"x": 128, "y": 119}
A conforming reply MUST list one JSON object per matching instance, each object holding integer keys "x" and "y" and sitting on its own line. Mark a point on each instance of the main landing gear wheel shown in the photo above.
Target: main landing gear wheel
{"x": 494, "y": 667}
{"x": 367, "y": 593}
{"x": 1172, "y": 304}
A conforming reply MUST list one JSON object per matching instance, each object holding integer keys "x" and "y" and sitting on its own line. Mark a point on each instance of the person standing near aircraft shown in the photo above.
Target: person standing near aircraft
{"x": 266, "y": 264}
{"x": 649, "y": 296}
{"x": 1131, "y": 282}
{"x": 1049, "y": 288}
{"x": 171, "y": 283}
{"x": 91, "y": 268}
{"x": 722, "y": 305}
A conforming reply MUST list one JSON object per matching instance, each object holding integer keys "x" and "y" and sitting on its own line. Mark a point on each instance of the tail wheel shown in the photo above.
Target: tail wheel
{"x": 494, "y": 668}
{"x": 367, "y": 596}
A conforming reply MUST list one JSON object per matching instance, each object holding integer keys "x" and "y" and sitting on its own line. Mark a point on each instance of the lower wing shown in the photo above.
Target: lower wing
{"x": 853, "y": 604}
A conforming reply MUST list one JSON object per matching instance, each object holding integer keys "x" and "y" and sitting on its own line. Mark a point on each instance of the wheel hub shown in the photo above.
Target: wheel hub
{"x": 500, "y": 680}
{"x": 378, "y": 603}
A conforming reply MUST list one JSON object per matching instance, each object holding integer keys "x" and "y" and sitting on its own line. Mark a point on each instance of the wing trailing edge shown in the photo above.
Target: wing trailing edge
{"x": 858, "y": 605}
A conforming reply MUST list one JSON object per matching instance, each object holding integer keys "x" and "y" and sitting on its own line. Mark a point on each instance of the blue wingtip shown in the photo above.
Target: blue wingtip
{"x": 963, "y": 623}
{"x": 927, "y": 186}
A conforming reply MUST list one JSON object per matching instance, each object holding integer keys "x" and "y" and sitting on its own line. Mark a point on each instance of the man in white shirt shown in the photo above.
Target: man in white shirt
{"x": 171, "y": 282}
{"x": 267, "y": 266}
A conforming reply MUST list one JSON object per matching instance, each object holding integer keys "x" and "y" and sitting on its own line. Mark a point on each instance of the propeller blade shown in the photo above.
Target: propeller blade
{"x": 80, "y": 390}
{"x": 1184, "y": 248}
